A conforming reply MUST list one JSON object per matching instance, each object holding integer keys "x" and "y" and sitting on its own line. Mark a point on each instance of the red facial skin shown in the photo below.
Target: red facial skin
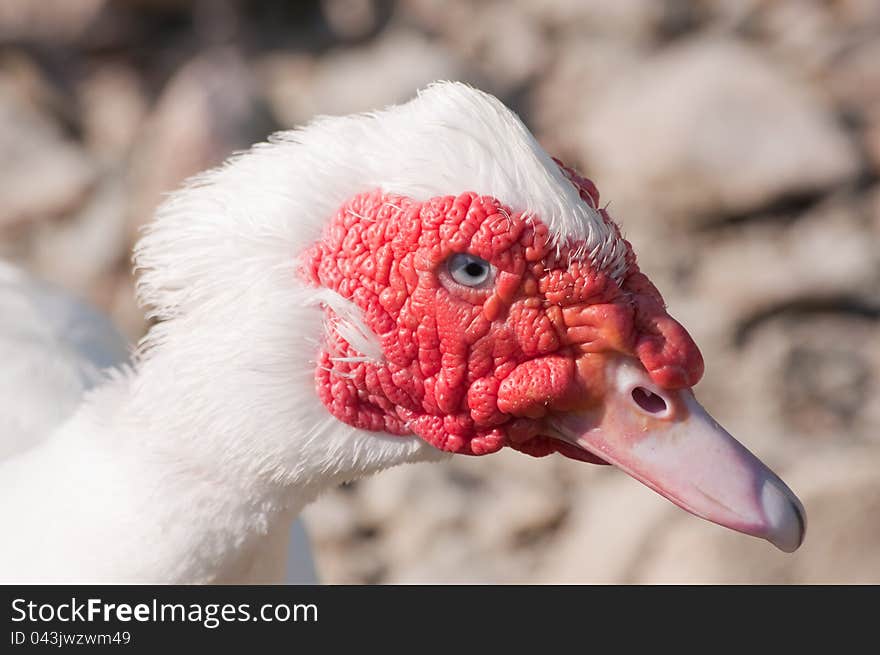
{"x": 471, "y": 370}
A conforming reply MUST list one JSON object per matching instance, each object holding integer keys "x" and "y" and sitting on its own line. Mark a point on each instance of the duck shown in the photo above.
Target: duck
{"x": 408, "y": 285}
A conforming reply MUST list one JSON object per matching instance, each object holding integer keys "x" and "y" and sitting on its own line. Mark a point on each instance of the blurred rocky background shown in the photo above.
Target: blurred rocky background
{"x": 737, "y": 142}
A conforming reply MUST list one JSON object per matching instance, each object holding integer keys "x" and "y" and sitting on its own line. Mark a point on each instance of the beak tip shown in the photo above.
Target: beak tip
{"x": 785, "y": 514}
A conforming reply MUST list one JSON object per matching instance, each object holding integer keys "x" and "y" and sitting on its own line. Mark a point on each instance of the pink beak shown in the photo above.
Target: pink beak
{"x": 666, "y": 440}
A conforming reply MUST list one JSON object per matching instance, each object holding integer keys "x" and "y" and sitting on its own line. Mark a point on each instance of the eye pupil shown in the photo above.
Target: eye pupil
{"x": 469, "y": 270}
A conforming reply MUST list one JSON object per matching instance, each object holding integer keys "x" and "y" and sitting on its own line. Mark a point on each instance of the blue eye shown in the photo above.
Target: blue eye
{"x": 469, "y": 270}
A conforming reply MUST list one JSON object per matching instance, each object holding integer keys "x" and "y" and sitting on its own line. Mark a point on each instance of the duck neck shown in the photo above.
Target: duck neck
{"x": 225, "y": 441}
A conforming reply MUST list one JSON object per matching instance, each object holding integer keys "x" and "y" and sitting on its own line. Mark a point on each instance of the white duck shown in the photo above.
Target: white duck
{"x": 339, "y": 301}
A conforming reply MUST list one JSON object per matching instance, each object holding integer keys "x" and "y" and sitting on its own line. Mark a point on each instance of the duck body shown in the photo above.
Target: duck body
{"x": 53, "y": 349}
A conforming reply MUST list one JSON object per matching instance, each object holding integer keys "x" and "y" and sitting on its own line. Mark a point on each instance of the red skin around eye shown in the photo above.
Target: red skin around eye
{"x": 472, "y": 370}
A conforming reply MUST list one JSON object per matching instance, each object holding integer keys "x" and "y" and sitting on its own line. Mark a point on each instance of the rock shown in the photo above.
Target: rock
{"x": 802, "y": 32}
{"x": 332, "y": 518}
{"x": 384, "y": 524}
{"x": 439, "y": 16}
{"x": 114, "y": 107}
{"x": 464, "y": 520}
{"x": 386, "y": 499}
{"x": 874, "y": 211}
{"x": 357, "y": 79}
{"x": 872, "y": 137}
{"x": 51, "y": 21}
{"x": 208, "y": 110}
{"x": 355, "y": 20}
{"x": 98, "y": 228}
{"x": 628, "y": 20}
{"x": 511, "y": 60}
{"x": 339, "y": 563}
{"x": 25, "y": 79}
{"x": 812, "y": 35}
{"x": 859, "y": 15}
{"x": 451, "y": 558}
{"x": 826, "y": 252}
{"x": 760, "y": 392}
{"x": 583, "y": 69}
{"x": 709, "y": 128}
{"x": 506, "y": 46}
{"x": 612, "y": 518}
{"x": 43, "y": 174}
{"x": 854, "y": 79}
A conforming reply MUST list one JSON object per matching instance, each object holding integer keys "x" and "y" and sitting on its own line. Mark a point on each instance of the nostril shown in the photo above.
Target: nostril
{"x": 648, "y": 400}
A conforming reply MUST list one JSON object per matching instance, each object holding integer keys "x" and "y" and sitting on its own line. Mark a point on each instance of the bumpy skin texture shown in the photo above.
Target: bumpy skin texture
{"x": 471, "y": 370}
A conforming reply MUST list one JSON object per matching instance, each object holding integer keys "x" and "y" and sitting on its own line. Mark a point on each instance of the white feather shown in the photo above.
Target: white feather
{"x": 348, "y": 322}
{"x": 274, "y": 200}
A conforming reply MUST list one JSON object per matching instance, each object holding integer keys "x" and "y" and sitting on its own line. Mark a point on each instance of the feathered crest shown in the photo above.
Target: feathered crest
{"x": 265, "y": 206}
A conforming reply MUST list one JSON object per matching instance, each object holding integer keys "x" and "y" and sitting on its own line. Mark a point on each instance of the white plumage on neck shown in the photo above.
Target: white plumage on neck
{"x": 190, "y": 467}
